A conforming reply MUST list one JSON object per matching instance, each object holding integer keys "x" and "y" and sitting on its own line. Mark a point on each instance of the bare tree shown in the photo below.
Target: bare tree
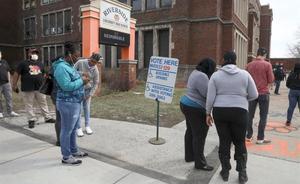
{"x": 295, "y": 48}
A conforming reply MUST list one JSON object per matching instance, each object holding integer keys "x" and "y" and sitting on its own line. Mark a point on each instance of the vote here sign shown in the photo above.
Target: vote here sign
{"x": 161, "y": 78}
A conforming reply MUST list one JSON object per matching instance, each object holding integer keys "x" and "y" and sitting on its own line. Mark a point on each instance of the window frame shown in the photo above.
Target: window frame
{"x": 30, "y": 4}
{"x": 48, "y": 2}
{"x": 48, "y": 52}
{"x": 31, "y": 37}
{"x": 64, "y": 32}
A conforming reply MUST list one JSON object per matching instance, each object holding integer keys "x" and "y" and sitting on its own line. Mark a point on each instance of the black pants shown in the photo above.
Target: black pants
{"x": 195, "y": 135}
{"x": 57, "y": 121}
{"x": 231, "y": 126}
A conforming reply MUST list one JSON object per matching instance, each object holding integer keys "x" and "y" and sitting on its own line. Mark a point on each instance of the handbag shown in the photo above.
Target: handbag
{"x": 47, "y": 86}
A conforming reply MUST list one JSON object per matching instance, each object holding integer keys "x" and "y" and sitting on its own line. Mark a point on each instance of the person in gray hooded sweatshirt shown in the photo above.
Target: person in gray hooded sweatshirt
{"x": 89, "y": 67}
{"x": 229, "y": 91}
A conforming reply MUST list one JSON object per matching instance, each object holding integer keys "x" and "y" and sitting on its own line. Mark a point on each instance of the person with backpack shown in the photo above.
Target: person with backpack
{"x": 293, "y": 83}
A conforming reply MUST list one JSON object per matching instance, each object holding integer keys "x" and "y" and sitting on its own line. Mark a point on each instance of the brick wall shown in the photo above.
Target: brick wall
{"x": 266, "y": 27}
{"x": 288, "y": 63}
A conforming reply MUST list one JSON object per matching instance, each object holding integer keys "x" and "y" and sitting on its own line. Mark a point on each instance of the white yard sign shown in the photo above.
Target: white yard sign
{"x": 161, "y": 78}
{"x": 114, "y": 16}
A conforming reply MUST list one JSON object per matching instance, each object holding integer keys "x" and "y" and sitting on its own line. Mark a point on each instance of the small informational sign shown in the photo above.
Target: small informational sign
{"x": 110, "y": 37}
{"x": 161, "y": 79}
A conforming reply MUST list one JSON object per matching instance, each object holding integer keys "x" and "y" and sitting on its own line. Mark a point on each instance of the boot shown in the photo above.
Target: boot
{"x": 224, "y": 174}
{"x": 241, "y": 168}
{"x": 243, "y": 178}
{"x": 200, "y": 163}
{"x": 225, "y": 169}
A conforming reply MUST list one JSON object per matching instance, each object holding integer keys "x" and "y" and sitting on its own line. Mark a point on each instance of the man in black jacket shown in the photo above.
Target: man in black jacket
{"x": 279, "y": 76}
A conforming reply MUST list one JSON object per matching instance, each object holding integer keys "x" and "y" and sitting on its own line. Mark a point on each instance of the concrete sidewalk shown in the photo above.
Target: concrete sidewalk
{"x": 122, "y": 148}
{"x": 25, "y": 160}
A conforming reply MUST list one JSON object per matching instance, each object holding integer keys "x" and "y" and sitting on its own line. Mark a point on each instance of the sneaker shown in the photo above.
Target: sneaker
{"x": 14, "y": 114}
{"x": 287, "y": 123}
{"x": 265, "y": 141}
{"x": 31, "y": 123}
{"x": 49, "y": 120}
{"x": 1, "y": 115}
{"x": 80, "y": 154}
{"x": 79, "y": 132}
{"x": 88, "y": 130}
{"x": 249, "y": 139}
{"x": 71, "y": 161}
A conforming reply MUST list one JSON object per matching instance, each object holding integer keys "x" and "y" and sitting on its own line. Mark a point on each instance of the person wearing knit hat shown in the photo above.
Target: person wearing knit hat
{"x": 88, "y": 67}
{"x": 229, "y": 90}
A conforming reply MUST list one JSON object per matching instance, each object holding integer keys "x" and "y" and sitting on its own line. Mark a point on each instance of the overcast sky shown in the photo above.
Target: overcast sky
{"x": 286, "y": 22}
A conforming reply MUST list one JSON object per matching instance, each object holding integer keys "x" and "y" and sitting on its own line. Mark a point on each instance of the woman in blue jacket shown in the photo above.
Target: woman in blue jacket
{"x": 70, "y": 93}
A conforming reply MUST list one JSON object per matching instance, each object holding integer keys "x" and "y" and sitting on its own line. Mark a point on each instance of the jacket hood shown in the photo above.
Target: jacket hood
{"x": 230, "y": 69}
{"x": 55, "y": 63}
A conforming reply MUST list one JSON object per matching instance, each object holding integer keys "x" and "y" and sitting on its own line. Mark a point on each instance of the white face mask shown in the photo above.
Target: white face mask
{"x": 34, "y": 57}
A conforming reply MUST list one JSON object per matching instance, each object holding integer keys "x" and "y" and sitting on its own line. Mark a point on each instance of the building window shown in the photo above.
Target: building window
{"x": 150, "y": 4}
{"x": 27, "y": 4}
{"x": 241, "y": 10}
{"x": 57, "y": 23}
{"x": 29, "y": 28}
{"x": 51, "y": 52}
{"x": 241, "y": 49}
{"x": 163, "y": 42}
{"x": 123, "y": 1}
{"x": 165, "y": 3}
{"x": 45, "y": 2}
{"x": 148, "y": 47}
{"x": 136, "y": 5}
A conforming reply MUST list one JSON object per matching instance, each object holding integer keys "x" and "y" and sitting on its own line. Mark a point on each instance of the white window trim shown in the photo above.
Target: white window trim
{"x": 34, "y": 36}
{"x": 55, "y": 12}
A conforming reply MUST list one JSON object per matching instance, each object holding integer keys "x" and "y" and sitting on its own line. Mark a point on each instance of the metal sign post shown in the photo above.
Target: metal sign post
{"x": 160, "y": 86}
{"x": 156, "y": 140}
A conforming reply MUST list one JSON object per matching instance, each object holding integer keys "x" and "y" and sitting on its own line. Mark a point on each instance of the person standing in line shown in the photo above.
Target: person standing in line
{"x": 192, "y": 105}
{"x": 89, "y": 67}
{"x": 70, "y": 94}
{"x": 5, "y": 88}
{"x": 261, "y": 72}
{"x": 229, "y": 90}
{"x": 293, "y": 83}
{"x": 32, "y": 75}
{"x": 279, "y": 76}
{"x": 53, "y": 99}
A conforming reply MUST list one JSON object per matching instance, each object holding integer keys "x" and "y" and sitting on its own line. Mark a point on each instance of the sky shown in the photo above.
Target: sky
{"x": 286, "y": 23}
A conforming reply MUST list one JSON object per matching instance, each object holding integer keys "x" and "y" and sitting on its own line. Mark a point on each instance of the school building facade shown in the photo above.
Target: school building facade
{"x": 185, "y": 29}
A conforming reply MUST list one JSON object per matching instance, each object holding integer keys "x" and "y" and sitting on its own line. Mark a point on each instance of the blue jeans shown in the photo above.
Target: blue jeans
{"x": 86, "y": 104}
{"x": 70, "y": 116}
{"x": 294, "y": 96}
{"x": 263, "y": 103}
{"x": 277, "y": 86}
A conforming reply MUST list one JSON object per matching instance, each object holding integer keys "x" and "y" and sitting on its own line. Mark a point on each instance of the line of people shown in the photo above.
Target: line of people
{"x": 75, "y": 81}
{"x": 227, "y": 98}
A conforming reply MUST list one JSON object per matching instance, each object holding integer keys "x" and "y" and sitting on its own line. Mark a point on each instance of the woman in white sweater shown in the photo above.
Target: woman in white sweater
{"x": 229, "y": 91}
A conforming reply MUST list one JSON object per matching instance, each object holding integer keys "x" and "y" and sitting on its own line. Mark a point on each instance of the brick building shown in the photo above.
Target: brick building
{"x": 43, "y": 24}
{"x": 254, "y": 28}
{"x": 184, "y": 29}
{"x": 266, "y": 28}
